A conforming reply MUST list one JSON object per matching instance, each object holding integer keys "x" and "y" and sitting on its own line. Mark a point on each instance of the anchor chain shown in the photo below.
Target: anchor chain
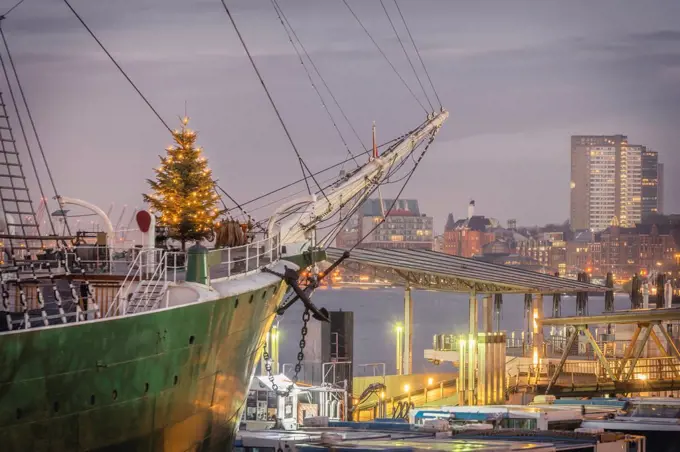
{"x": 300, "y": 358}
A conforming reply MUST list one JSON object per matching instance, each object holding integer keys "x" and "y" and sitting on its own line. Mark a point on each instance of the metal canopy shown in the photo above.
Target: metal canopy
{"x": 425, "y": 269}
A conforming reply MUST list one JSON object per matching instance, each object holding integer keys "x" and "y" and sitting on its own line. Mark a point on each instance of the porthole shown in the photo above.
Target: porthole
{"x": 251, "y": 298}
{"x": 92, "y": 399}
{"x": 114, "y": 395}
{"x": 176, "y": 380}
{"x": 191, "y": 340}
{"x": 236, "y": 303}
{"x": 264, "y": 294}
{"x": 146, "y": 387}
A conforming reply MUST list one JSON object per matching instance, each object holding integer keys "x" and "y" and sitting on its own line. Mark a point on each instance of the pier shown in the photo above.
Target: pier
{"x": 481, "y": 353}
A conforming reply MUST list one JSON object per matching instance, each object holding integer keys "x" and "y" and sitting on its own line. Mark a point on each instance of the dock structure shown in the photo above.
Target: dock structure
{"x": 482, "y": 354}
{"x": 630, "y": 373}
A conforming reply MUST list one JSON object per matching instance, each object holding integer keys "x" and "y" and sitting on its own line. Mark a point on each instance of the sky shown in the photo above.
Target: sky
{"x": 517, "y": 76}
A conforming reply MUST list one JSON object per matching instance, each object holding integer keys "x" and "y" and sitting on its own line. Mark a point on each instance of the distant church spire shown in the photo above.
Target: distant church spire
{"x": 450, "y": 223}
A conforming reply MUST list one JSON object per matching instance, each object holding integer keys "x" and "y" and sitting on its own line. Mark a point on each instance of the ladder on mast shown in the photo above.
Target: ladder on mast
{"x": 15, "y": 198}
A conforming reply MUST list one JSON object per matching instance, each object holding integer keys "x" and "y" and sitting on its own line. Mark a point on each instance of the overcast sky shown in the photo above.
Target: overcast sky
{"x": 518, "y": 76}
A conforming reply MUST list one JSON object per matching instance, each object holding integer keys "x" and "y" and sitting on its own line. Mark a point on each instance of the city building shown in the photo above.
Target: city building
{"x": 650, "y": 183}
{"x": 629, "y": 185}
{"x": 606, "y": 182}
{"x": 468, "y": 236}
{"x": 660, "y": 197}
{"x": 549, "y": 251}
{"x": 499, "y": 252}
{"x": 404, "y": 226}
{"x": 642, "y": 249}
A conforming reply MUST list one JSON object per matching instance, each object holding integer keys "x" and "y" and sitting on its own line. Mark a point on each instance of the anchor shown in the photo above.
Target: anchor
{"x": 291, "y": 278}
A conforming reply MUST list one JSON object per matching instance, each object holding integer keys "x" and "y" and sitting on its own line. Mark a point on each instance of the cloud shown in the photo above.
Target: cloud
{"x": 658, "y": 36}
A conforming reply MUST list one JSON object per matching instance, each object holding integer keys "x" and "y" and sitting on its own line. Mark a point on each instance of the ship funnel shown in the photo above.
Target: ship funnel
{"x": 471, "y": 209}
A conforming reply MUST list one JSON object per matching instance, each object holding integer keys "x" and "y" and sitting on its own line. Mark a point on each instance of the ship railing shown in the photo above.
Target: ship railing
{"x": 150, "y": 268}
{"x": 153, "y": 289}
{"x": 238, "y": 260}
{"x": 35, "y": 321}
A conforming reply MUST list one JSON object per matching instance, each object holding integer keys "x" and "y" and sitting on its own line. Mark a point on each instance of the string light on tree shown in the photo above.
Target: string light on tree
{"x": 183, "y": 193}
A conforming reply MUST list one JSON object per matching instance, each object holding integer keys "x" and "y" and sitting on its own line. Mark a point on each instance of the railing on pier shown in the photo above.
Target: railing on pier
{"x": 228, "y": 262}
{"x": 575, "y": 373}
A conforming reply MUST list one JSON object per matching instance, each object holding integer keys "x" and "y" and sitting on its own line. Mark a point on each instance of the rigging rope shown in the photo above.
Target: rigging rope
{"x": 418, "y": 53}
{"x": 396, "y": 198}
{"x": 337, "y": 104}
{"x": 12, "y": 8}
{"x": 331, "y": 236}
{"x": 155, "y": 112}
{"x": 303, "y": 165}
{"x": 18, "y": 202}
{"x": 309, "y": 75}
{"x": 406, "y": 54}
{"x": 385, "y": 57}
{"x": 118, "y": 66}
{"x": 302, "y": 180}
{"x": 35, "y": 132}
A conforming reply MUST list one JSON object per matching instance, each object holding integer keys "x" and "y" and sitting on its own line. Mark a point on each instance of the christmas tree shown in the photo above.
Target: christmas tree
{"x": 183, "y": 195}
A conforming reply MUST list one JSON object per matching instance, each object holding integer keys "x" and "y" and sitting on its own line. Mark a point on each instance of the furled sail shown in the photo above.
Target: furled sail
{"x": 297, "y": 219}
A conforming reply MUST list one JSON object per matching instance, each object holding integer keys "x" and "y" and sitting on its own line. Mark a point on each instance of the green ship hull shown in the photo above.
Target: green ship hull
{"x": 174, "y": 379}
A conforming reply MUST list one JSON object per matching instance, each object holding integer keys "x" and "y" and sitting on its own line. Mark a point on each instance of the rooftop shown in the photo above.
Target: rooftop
{"x": 425, "y": 269}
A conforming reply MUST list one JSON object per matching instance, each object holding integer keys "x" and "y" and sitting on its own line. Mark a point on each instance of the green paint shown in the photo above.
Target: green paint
{"x": 197, "y": 264}
{"x": 307, "y": 258}
{"x": 174, "y": 379}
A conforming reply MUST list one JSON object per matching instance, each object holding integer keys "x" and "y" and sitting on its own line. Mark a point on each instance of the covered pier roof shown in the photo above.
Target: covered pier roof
{"x": 425, "y": 269}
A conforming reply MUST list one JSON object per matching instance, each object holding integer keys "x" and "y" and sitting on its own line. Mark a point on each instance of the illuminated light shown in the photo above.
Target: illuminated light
{"x": 535, "y": 357}
{"x": 399, "y": 328}
{"x": 641, "y": 377}
{"x": 382, "y": 395}
{"x": 430, "y": 381}
{"x": 406, "y": 387}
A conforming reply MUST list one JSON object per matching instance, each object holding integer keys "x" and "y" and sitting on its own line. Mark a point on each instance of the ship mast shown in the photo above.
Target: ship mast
{"x": 297, "y": 219}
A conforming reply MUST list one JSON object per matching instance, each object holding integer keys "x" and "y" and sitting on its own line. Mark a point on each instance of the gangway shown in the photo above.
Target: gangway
{"x": 631, "y": 373}
{"x": 440, "y": 392}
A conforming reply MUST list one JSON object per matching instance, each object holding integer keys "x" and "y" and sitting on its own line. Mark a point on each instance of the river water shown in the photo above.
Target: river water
{"x": 377, "y": 310}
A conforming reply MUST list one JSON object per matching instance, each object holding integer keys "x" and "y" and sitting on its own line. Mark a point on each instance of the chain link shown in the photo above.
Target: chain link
{"x": 300, "y": 358}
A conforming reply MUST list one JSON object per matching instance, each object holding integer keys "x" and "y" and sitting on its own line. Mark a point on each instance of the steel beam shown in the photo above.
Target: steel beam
{"x": 671, "y": 344}
{"x": 407, "y": 366}
{"x": 472, "y": 348}
{"x": 598, "y": 352}
{"x": 563, "y": 359}
{"x": 662, "y": 349}
{"x": 629, "y": 351}
{"x": 633, "y": 316}
{"x": 640, "y": 347}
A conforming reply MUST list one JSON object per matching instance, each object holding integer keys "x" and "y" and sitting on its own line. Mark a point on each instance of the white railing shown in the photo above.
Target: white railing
{"x": 150, "y": 268}
{"x": 246, "y": 258}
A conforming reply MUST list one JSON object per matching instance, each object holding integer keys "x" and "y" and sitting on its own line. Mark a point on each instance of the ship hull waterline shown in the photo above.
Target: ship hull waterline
{"x": 174, "y": 379}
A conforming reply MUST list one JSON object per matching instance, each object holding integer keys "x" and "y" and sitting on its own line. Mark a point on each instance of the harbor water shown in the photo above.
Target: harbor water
{"x": 377, "y": 311}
